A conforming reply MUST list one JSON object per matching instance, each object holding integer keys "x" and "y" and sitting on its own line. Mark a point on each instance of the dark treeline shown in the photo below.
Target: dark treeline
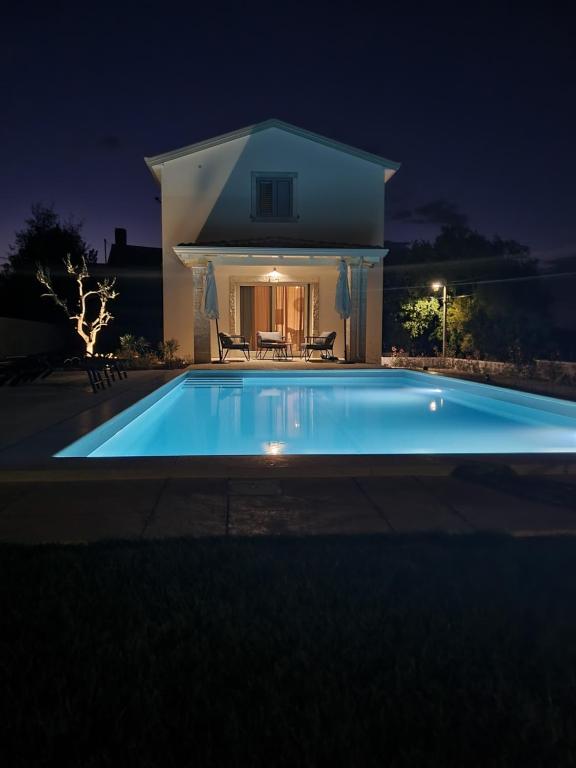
{"x": 498, "y": 307}
{"x": 43, "y": 240}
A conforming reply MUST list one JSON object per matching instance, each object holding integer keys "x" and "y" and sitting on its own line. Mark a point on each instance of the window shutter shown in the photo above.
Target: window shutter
{"x": 273, "y": 197}
{"x": 284, "y": 198}
{"x": 265, "y": 198}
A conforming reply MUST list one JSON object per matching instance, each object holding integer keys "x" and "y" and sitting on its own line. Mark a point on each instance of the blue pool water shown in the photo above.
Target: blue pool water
{"x": 332, "y": 412}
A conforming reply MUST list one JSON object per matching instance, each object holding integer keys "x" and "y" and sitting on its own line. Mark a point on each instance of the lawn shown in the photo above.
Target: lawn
{"x": 357, "y": 651}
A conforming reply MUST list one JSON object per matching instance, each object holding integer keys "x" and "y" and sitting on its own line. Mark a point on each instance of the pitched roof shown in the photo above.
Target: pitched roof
{"x": 389, "y": 165}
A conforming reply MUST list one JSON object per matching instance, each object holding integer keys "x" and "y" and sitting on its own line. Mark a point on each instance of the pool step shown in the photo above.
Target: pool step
{"x": 214, "y": 381}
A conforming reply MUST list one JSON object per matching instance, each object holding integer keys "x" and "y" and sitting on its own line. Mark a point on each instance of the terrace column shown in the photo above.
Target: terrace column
{"x": 201, "y": 322}
{"x": 358, "y": 316}
{"x": 374, "y": 306}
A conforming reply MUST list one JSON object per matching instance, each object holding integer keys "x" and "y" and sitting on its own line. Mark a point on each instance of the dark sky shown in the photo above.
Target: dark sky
{"x": 478, "y": 105}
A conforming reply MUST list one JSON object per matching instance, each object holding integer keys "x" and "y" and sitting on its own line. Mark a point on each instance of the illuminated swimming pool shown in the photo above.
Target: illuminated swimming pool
{"x": 331, "y": 412}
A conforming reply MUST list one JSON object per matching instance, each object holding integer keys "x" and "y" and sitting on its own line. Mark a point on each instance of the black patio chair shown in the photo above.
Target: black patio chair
{"x": 102, "y": 372}
{"x": 273, "y": 341}
{"x": 324, "y": 343}
{"x": 231, "y": 341}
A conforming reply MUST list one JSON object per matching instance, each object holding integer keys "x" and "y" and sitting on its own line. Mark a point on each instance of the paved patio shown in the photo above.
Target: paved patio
{"x": 77, "y": 500}
{"x": 88, "y": 511}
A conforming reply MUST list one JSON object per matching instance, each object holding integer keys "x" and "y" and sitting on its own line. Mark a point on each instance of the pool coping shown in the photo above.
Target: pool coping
{"x": 337, "y": 465}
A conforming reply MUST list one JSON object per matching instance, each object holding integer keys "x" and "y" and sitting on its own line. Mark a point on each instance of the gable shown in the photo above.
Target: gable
{"x": 155, "y": 162}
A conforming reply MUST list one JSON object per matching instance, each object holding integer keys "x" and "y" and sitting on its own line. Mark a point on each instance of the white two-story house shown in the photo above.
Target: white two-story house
{"x": 274, "y": 208}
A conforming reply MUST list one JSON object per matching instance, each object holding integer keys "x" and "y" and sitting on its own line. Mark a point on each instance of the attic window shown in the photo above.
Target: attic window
{"x": 273, "y": 197}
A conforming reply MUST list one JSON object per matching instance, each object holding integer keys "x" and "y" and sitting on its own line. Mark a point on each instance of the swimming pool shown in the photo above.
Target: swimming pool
{"x": 331, "y": 412}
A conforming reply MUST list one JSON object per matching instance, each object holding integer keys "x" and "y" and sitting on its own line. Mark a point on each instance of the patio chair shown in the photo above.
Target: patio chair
{"x": 270, "y": 340}
{"x": 25, "y": 369}
{"x": 101, "y": 371}
{"x": 324, "y": 343}
{"x": 109, "y": 367}
{"x": 228, "y": 342}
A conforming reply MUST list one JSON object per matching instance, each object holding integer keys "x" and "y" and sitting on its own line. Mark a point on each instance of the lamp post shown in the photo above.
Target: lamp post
{"x": 436, "y": 286}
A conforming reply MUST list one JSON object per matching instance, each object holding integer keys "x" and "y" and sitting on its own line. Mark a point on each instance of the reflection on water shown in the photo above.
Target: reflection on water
{"x": 306, "y": 417}
{"x": 274, "y": 448}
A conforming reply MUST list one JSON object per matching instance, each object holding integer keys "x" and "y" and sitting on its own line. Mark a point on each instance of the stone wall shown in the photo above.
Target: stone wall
{"x": 27, "y": 337}
{"x": 547, "y": 370}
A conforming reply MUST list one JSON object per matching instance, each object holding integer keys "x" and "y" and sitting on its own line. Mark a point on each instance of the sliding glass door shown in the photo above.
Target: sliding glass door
{"x": 255, "y": 311}
{"x": 281, "y": 307}
{"x": 290, "y": 312}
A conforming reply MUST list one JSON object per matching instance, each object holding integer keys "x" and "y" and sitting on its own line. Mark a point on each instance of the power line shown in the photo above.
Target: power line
{"x": 475, "y": 281}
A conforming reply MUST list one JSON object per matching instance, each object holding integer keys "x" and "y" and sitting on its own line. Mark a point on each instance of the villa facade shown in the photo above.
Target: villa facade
{"x": 274, "y": 208}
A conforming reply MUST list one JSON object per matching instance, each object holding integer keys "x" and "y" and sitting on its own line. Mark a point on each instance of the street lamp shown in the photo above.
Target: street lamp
{"x": 436, "y": 287}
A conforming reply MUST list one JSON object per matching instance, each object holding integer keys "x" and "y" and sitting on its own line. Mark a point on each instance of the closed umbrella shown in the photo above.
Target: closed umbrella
{"x": 343, "y": 303}
{"x": 211, "y": 302}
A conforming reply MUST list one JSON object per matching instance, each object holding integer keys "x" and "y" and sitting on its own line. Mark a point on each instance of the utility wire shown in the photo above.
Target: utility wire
{"x": 475, "y": 281}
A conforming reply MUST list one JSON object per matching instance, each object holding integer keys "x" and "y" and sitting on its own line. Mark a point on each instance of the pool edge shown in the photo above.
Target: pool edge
{"x": 321, "y": 465}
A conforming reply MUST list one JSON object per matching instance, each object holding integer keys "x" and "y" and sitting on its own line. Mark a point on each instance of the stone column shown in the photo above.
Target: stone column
{"x": 201, "y": 322}
{"x": 374, "y": 305}
{"x": 358, "y": 317}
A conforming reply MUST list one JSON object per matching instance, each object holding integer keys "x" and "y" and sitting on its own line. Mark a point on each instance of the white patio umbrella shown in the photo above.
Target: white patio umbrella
{"x": 343, "y": 303}
{"x": 211, "y": 302}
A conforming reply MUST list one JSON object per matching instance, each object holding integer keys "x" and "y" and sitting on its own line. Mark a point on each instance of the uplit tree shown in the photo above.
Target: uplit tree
{"x": 421, "y": 316}
{"x": 90, "y": 303}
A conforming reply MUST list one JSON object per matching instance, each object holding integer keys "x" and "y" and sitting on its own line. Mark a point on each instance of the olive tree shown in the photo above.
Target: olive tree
{"x": 91, "y": 313}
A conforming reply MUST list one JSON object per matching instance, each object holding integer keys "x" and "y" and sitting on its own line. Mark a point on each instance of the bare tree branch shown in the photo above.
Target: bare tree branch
{"x": 43, "y": 275}
{"x": 87, "y": 329}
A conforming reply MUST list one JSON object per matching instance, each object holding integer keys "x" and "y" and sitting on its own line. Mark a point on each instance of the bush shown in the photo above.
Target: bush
{"x": 167, "y": 352}
{"x": 133, "y": 347}
{"x": 135, "y": 350}
{"x": 139, "y": 355}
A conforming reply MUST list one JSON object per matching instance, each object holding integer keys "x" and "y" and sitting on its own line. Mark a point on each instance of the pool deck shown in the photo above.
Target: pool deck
{"x": 43, "y": 499}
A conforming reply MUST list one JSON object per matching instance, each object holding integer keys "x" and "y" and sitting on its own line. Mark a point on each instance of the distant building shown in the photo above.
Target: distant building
{"x": 138, "y": 308}
{"x": 138, "y": 257}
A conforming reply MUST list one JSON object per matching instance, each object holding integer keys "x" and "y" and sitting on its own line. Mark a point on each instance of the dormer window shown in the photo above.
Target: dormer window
{"x": 273, "y": 197}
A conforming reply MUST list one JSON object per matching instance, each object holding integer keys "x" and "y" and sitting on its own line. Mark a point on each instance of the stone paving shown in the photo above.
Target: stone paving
{"x": 37, "y": 418}
{"x": 83, "y": 512}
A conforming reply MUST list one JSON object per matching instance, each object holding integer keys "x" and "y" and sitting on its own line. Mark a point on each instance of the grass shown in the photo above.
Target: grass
{"x": 366, "y": 651}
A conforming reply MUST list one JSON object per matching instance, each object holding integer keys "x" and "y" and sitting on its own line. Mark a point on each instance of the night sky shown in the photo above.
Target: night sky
{"x": 478, "y": 105}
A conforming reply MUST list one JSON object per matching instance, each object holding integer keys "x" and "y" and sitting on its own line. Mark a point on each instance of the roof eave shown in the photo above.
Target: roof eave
{"x": 155, "y": 170}
{"x": 252, "y": 255}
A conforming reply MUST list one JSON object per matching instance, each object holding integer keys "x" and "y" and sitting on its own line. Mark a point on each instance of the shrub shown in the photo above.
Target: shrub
{"x": 133, "y": 347}
{"x": 167, "y": 351}
{"x": 138, "y": 353}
